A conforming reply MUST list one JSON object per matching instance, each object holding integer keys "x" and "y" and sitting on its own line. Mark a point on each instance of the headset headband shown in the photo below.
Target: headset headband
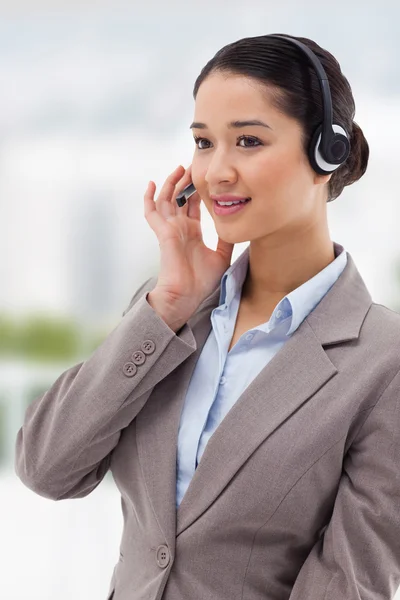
{"x": 332, "y": 147}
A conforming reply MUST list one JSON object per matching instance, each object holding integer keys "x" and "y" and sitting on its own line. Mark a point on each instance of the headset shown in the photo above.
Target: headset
{"x": 330, "y": 143}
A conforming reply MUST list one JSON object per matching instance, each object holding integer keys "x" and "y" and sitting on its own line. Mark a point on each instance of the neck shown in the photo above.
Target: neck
{"x": 276, "y": 268}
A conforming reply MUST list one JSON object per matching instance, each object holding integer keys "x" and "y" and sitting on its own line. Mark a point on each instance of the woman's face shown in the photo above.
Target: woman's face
{"x": 265, "y": 163}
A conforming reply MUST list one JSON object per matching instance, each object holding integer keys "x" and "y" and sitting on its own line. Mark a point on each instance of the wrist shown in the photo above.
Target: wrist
{"x": 164, "y": 312}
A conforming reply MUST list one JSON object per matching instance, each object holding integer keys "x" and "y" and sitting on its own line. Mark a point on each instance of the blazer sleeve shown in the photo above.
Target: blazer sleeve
{"x": 358, "y": 555}
{"x": 63, "y": 449}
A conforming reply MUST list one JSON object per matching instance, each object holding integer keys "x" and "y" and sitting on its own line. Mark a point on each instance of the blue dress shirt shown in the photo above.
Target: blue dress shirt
{"x": 220, "y": 377}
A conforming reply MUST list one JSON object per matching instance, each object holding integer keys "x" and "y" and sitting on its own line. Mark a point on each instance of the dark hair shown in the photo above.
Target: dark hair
{"x": 295, "y": 91}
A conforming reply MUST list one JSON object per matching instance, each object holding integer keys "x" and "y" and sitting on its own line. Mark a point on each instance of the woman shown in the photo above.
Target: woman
{"x": 248, "y": 412}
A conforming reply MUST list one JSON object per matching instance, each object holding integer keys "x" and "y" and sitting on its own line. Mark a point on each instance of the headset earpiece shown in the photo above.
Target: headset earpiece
{"x": 336, "y": 151}
{"x": 330, "y": 144}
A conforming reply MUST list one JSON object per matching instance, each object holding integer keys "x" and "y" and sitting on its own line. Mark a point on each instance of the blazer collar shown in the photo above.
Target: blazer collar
{"x": 339, "y": 315}
{"x": 337, "y": 318}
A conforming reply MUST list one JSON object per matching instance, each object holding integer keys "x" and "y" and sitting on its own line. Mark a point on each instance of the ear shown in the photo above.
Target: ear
{"x": 321, "y": 179}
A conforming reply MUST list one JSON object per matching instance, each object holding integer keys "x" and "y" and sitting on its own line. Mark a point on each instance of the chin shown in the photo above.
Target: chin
{"x": 231, "y": 236}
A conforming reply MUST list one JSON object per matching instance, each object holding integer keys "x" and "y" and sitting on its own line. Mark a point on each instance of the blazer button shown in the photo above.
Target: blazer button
{"x": 148, "y": 347}
{"x": 138, "y": 357}
{"x": 129, "y": 369}
{"x": 163, "y": 556}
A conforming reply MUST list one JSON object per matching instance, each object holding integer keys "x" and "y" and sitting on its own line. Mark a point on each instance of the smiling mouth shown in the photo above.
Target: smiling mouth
{"x": 233, "y": 203}
{"x": 230, "y": 209}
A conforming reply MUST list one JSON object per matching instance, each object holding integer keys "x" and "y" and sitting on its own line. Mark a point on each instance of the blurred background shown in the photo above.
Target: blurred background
{"x": 96, "y": 99}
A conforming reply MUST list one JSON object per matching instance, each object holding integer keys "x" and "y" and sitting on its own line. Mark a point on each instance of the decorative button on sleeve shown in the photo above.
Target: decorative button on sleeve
{"x": 129, "y": 369}
{"x": 138, "y": 357}
{"x": 148, "y": 347}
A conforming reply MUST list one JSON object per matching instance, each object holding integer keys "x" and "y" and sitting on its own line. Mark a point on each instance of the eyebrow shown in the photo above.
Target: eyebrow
{"x": 233, "y": 124}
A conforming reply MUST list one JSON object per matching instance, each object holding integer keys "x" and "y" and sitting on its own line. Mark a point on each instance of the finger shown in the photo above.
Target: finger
{"x": 163, "y": 202}
{"x": 153, "y": 217}
{"x": 193, "y": 204}
{"x": 181, "y": 184}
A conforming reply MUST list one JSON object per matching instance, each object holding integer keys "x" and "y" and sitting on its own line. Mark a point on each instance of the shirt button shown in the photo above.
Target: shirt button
{"x": 278, "y": 313}
{"x": 222, "y": 380}
{"x": 163, "y": 556}
{"x": 249, "y": 336}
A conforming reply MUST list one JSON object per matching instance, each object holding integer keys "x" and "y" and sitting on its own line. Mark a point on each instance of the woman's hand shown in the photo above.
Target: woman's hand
{"x": 189, "y": 270}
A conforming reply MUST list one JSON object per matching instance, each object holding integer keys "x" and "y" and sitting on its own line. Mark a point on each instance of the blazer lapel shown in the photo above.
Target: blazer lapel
{"x": 270, "y": 398}
{"x": 276, "y": 389}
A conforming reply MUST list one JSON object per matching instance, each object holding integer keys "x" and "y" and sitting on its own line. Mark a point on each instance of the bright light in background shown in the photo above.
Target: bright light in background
{"x": 96, "y": 100}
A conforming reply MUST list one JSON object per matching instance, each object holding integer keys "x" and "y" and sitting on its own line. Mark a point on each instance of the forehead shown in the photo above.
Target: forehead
{"x": 232, "y": 92}
{"x": 223, "y": 98}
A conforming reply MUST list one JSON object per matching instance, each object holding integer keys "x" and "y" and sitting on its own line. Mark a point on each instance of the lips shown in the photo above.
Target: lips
{"x": 224, "y": 202}
{"x": 227, "y": 197}
{"x": 231, "y": 209}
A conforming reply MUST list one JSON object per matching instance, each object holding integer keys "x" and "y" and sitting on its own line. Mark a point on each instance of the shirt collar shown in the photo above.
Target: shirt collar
{"x": 299, "y": 302}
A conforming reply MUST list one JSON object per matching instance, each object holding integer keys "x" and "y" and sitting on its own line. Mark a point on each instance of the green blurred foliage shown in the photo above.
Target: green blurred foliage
{"x": 46, "y": 339}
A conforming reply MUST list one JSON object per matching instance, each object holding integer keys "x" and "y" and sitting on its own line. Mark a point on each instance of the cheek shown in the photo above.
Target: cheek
{"x": 274, "y": 165}
{"x": 279, "y": 172}
{"x": 199, "y": 172}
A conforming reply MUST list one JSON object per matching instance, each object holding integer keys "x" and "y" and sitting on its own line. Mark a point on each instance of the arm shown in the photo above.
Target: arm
{"x": 358, "y": 556}
{"x": 63, "y": 448}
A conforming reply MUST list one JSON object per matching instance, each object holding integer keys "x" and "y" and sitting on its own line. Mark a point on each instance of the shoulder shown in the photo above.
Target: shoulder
{"x": 384, "y": 317}
{"x": 380, "y": 333}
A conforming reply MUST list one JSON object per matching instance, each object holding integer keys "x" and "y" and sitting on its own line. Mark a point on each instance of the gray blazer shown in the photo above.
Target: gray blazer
{"x": 297, "y": 495}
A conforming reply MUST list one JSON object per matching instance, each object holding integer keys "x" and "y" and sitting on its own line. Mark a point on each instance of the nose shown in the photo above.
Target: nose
{"x": 220, "y": 169}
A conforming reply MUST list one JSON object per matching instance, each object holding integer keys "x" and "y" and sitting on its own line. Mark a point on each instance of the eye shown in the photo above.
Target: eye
{"x": 254, "y": 141}
{"x": 197, "y": 140}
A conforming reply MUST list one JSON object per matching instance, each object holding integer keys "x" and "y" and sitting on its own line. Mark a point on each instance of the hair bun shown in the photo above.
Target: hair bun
{"x": 354, "y": 167}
